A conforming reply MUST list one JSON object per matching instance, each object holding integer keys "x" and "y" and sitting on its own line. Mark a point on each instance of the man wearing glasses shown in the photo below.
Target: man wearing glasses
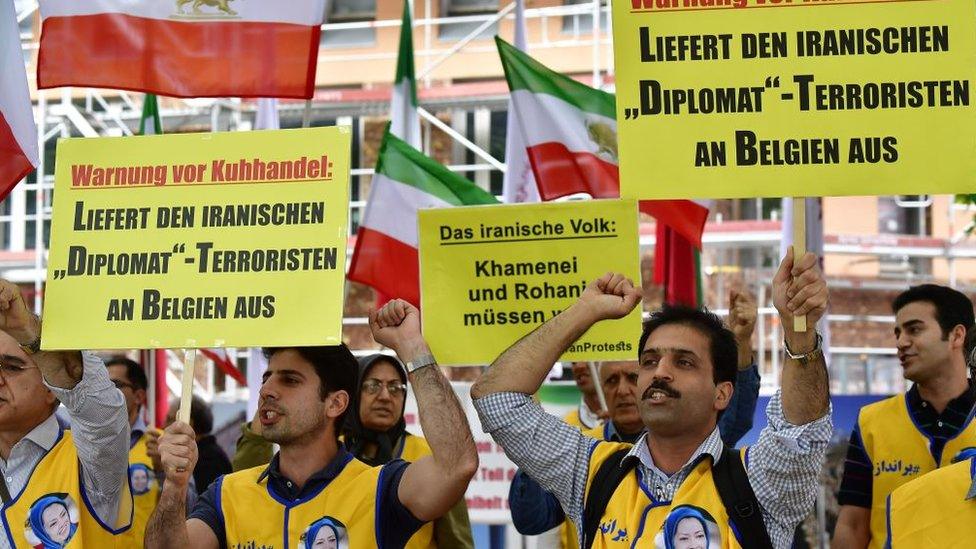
{"x": 38, "y": 459}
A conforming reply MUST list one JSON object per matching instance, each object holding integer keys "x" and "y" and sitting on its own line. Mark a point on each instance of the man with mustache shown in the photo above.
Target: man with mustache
{"x": 687, "y": 369}
{"x": 535, "y": 511}
{"x": 305, "y": 396}
{"x": 908, "y": 435}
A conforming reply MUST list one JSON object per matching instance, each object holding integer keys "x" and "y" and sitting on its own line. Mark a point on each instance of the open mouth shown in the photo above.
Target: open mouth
{"x": 269, "y": 416}
{"x": 657, "y": 396}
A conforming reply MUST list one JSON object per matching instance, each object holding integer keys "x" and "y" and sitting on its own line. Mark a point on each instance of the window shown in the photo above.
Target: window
{"x": 582, "y": 23}
{"x": 349, "y": 11}
{"x": 462, "y": 8}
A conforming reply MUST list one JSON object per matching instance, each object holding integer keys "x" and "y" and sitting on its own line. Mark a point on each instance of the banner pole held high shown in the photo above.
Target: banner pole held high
{"x": 186, "y": 398}
{"x": 595, "y": 376}
{"x": 799, "y": 247}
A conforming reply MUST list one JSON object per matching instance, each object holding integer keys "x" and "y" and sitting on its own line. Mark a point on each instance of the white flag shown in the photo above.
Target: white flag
{"x": 519, "y": 182}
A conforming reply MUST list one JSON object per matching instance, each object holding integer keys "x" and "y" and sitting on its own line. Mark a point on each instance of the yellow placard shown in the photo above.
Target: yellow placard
{"x": 491, "y": 274}
{"x": 750, "y": 98}
{"x": 199, "y": 240}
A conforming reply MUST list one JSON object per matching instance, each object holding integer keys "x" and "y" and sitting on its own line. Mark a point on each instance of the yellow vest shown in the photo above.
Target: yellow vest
{"x": 54, "y": 494}
{"x": 899, "y": 452}
{"x": 573, "y": 418}
{"x": 933, "y": 511}
{"x": 634, "y": 519}
{"x": 144, "y": 488}
{"x": 254, "y": 516}
{"x": 568, "y": 535}
{"x": 414, "y": 448}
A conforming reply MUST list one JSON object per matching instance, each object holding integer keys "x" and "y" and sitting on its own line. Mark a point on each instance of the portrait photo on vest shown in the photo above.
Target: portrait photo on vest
{"x": 52, "y": 521}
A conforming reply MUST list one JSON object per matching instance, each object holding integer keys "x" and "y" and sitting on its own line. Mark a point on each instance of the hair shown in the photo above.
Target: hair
{"x": 133, "y": 371}
{"x": 952, "y": 308}
{"x": 722, "y": 345}
{"x": 201, "y": 416}
{"x": 336, "y": 367}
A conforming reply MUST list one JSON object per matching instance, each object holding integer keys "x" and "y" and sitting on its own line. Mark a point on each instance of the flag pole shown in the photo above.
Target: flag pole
{"x": 799, "y": 247}
{"x": 595, "y": 376}
{"x": 189, "y": 363}
{"x": 151, "y": 367}
{"x": 307, "y": 114}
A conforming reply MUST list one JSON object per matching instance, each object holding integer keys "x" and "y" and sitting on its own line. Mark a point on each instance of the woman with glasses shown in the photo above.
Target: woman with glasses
{"x": 378, "y": 434}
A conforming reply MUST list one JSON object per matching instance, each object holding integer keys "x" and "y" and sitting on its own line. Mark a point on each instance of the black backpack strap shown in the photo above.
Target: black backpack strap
{"x": 740, "y": 501}
{"x": 604, "y": 484}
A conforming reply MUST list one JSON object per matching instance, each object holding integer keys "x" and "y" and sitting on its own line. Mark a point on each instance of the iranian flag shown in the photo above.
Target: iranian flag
{"x": 182, "y": 48}
{"x": 405, "y": 182}
{"x": 404, "y": 120}
{"x": 18, "y": 134}
{"x": 570, "y": 133}
{"x": 150, "y": 123}
{"x": 225, "y": 361}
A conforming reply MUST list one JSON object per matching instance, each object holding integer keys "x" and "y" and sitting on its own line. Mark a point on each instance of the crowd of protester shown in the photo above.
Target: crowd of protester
{"x": 327, "y": 460}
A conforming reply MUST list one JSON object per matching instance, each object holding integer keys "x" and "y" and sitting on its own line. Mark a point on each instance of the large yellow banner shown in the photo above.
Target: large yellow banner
{"x": 199, "y": 240}
{"x": 491, "y": 274}
{"x": 748, "y": 98}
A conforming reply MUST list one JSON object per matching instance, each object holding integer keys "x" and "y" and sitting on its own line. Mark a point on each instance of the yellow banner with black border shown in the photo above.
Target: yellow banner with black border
{"x": 491, "y": 274}
{"x": 750, "y": 98}
{"x": 229, "y": 239}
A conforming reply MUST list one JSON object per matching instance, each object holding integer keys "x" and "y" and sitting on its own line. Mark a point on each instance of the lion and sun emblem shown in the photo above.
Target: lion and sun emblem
{"x": 196, "y": 9}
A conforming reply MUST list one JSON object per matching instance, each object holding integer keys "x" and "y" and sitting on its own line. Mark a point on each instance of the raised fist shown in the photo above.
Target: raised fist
{"x": 611, "y": 296}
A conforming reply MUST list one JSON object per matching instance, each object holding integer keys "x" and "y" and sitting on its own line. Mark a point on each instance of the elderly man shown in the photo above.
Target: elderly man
{"x": 78, "y": 475}
{"x": 623, "y": 495}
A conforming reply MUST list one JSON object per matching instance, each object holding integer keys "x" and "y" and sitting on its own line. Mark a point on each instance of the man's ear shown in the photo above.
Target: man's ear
{"x": 337, "y": 404}
{"x": 957, "y": 337}
{"x": 723, "y": 394}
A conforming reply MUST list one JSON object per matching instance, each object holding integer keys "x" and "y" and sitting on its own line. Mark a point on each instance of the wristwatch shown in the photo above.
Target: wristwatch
{"x": 808, "y": 356}
{"x": 32, "y": 347}
{"x": 421, "y": 362}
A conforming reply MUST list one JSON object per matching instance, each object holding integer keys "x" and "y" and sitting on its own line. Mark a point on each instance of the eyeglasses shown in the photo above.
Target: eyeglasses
{"x": 372, "y": 387}
{"x": 119, "y": 384}
{"x": 7, "y": 368}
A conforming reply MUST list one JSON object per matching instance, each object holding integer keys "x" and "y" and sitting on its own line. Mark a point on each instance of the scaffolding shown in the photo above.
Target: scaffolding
{"x": 25, "y": 216}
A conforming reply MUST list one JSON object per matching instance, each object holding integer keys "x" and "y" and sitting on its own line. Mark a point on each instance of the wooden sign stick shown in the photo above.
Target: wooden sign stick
{"x": 799, "y": 247}
{"x": 189, "y": 362}
{"x": 595, "y": 376}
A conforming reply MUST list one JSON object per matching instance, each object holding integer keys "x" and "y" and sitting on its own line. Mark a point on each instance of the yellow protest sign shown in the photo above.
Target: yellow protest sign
{"x": 199, "y": 240}
{"x": 491, "y": 274}
{"x": 748, "y": 98}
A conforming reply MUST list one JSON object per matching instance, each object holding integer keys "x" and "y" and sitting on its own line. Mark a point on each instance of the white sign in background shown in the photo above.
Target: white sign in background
{"x": 487, "y": 495}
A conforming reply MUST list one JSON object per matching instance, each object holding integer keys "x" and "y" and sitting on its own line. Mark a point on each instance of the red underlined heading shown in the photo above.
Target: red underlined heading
{"x": 209, "y": 184}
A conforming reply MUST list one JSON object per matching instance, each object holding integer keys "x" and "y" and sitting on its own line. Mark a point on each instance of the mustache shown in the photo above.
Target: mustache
{"x": 664, "y": 387}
